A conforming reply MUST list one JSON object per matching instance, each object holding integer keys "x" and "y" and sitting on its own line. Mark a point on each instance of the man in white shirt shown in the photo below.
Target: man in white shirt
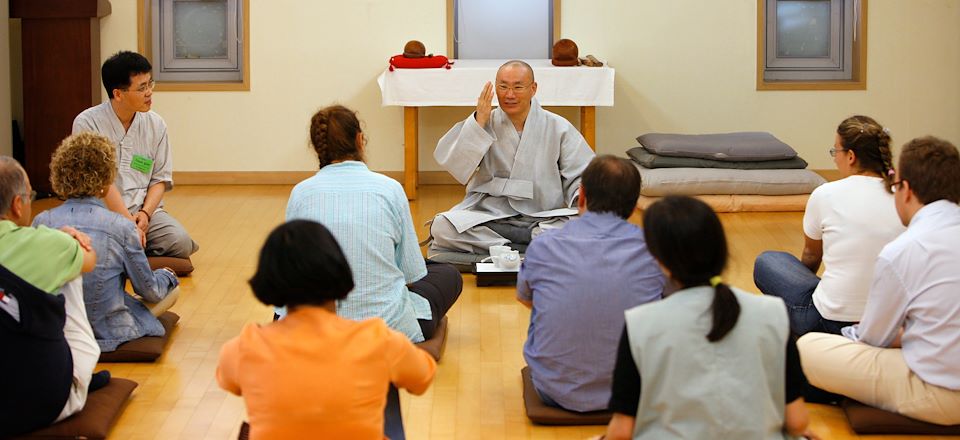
{"x": 904, "y": 354}
{"x": 144, "y": 157}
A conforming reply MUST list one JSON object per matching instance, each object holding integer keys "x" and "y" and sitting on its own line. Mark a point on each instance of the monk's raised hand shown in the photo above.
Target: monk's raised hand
{"x": 484, "y": 105}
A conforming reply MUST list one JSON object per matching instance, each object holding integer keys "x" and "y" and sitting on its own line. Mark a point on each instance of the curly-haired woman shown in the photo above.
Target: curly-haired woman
{"x": 82, "y": 169}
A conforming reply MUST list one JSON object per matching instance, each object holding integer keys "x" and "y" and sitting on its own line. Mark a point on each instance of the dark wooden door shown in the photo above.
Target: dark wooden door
{"x": 60, "y": 41}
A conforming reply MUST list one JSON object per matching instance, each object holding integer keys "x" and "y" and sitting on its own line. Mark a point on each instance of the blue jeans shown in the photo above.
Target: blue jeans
{"x": 783, "y": 275}
{"x": 392, "y": 419}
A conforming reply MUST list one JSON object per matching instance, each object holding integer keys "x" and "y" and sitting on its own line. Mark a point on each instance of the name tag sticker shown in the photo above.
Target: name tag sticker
{"x": 141, "y": 164}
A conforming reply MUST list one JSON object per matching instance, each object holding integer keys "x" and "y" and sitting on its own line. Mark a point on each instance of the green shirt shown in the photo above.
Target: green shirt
{"x": 44, "y": 257}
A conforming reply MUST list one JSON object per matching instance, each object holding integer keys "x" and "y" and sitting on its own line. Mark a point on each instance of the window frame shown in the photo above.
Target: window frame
{"x": 145, "y": 45}
{"x": 452, "y": 27}
{"x": 856, "y": 31}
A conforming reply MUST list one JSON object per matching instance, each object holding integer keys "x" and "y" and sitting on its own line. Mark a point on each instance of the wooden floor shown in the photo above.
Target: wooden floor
{"x": 477, "y": 391}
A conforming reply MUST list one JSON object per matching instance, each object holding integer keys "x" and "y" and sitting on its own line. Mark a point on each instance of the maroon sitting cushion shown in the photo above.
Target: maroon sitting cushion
{"x": 145, "y": 349}
{"x": 94, "y": 421}
{"x": 438, "y": 342}
{"x": 541, "y": 414}
{"x": 180, "y": 266}
{"x": 869, "y": 420}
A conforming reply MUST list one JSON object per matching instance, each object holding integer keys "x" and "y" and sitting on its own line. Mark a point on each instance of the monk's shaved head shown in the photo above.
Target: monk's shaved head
{"x": 515, "y": 89}
{"x": 516, "y": 64}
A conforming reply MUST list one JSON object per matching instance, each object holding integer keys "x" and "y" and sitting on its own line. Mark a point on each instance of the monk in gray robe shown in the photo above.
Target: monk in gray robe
{"x": 521, "y": 165}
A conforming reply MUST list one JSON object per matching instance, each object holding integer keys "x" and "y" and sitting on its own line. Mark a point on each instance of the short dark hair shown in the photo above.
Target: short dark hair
{"x": 13, "y": 182}
{"x": 118, "y": 69}
{"x": 301, "y": 264}
{"x": 686, "y": 237}
{"x": 932, "y": 166}
{"x": 611, "y": 184}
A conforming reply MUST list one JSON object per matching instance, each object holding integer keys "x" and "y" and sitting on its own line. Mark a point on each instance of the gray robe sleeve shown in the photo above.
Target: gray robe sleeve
{"x": 463, "y": 147}
{"x": 575, "y": 155}
{"x": 83, "y": 123}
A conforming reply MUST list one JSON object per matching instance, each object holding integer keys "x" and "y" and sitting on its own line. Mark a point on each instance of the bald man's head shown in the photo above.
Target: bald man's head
{"x": 517, "y": 64}
{"x": 515, "y": 88}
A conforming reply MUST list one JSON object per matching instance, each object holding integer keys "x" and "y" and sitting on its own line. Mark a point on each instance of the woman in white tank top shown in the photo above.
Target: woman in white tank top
{"x": 845, "y": 225}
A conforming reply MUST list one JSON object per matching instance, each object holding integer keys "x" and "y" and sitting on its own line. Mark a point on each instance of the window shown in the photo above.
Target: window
{"x": 811, "y": 44}
{"x": 196, "y": 44}
{"x": 502, "y": 29}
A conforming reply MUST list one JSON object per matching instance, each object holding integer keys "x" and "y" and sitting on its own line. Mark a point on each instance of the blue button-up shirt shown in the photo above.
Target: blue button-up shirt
{"x": 581, "y": 279}
{"x": 369, "y": 216}
{"x": 116, "y": 317}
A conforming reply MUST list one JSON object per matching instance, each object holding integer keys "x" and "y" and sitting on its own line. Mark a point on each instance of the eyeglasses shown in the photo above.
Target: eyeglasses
{"x": 516, "y": 89}
{"x": 834, "y": 150}
{"x": 29, "y": 196}
{"x": 143, "y": 89}
{"x": 895, "y": 185}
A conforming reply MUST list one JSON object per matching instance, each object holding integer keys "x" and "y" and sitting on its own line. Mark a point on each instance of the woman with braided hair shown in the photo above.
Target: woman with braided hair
{"x": 369, "y": 216}
{"x": 845, "y": 225}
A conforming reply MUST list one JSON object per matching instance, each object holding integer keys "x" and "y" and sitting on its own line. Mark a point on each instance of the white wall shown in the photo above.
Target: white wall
{"x": 6, "y": 114}
{"x": 682, "y": 66}
{"x": 689, "y": 66}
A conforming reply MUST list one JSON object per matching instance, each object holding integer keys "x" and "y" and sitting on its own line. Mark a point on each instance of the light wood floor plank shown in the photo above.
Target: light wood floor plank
{"x": 477, "y": 390}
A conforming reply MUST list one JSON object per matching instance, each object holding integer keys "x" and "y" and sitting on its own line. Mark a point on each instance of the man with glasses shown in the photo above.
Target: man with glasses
{"x": 904, "y": 353}
{"x": 521, "y": 165}
{"x": 144, "y": 156}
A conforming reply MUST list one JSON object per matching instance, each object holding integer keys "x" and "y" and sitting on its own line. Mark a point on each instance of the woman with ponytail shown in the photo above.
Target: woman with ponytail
{"x": 845, "y": 225}
{"x": 369, "y": 215}
{"x": 717, "y": 362}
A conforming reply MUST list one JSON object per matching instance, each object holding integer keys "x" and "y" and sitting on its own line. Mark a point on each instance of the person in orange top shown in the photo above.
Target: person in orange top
{"x": 314, "y": 374}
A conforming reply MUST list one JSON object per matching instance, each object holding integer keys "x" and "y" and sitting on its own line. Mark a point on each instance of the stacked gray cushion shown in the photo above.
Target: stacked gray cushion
{"x": 747, "y": 163}
{"x": 643, "y": 157}
{"x": 697, "y": 181}
{"x": 742, "y": 147}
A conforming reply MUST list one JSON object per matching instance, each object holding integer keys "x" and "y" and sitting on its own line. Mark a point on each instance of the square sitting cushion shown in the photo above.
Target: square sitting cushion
{"x": 868, "y": 420}
{"x": 743, "y": 146}
{"x": 542, "y": 414}
{"x": 180, "y": 266}
{"x": 145, "y": 349}
{"x": 643, "y": 157}
{"x": 697, "y": 181}
{"x": 438, "y": 342}
{"x": 463, "y": 261}
{"x": 94, "y": 421}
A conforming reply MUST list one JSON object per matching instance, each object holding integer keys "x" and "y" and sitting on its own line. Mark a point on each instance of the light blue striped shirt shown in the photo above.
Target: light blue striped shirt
{"x": 369, "y": 216}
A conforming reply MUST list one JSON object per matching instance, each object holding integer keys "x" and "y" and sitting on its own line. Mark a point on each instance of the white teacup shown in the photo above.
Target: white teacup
{"x": 496, "y": 251}
{"x": 509, "y": 260}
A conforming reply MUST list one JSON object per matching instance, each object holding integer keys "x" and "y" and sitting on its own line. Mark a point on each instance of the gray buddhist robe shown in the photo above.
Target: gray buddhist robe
{"x": 535, "y": 174}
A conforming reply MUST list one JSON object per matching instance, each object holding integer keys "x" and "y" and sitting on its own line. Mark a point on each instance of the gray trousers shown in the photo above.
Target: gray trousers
{"x": 478, "y": 239}
{"x": 166, "y": 237}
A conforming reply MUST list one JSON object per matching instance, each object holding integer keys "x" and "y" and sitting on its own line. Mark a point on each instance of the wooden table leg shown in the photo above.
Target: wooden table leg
{"x": 411, "y": 162}
{"x": 588, "y": 125}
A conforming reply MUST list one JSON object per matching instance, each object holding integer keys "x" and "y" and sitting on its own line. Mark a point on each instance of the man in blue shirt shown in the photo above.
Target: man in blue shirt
{"x": 578, "y": 281}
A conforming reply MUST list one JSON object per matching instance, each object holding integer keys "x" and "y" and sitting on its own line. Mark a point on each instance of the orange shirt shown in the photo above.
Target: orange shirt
{"x": 316, "y": 375}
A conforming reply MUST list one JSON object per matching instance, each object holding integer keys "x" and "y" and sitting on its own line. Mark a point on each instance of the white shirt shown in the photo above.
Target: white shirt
{"x": 917, "y": 287}
{"x": 146, "y": 138}
{"x": 855, "y": 217}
